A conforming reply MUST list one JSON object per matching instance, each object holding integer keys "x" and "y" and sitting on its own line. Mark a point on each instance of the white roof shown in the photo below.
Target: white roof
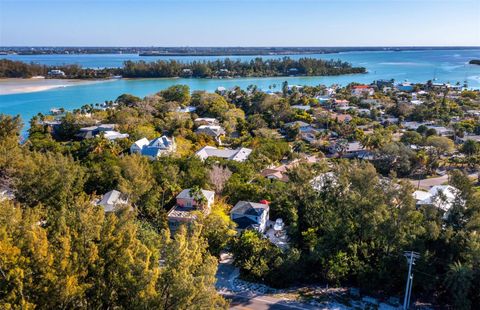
{"x": 112, "y": 135}
{"x": 206, "y": 119}
{"x": 213, "y": 127}
{"x": 416, "y": 102}
{"x": 439, "y": 196}
{"x": 187, "y": 109}
{"x": 141, "y": 143}
{"x": 185, "y": 194}
{"x": 239, "y": 155}
{"x": 163, "y": 142}
{"x": 421, "y": 195}
{"x": 112, "y": 199}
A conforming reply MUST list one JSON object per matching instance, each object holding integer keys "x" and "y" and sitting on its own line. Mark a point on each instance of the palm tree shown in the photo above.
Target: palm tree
{"x": 458, "y": 280}
{"x": 199, "y": 198}
{"x": 422, "y": 160}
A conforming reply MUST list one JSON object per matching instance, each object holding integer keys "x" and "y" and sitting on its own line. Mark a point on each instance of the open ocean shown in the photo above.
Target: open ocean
{"x": 415, "y": 66}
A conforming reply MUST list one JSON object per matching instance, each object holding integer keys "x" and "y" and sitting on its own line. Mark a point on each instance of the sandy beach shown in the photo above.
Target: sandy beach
{"x": 17, "y": 86}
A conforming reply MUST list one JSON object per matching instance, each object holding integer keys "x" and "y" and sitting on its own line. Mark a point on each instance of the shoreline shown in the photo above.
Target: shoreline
{"x": 11, "y": 86}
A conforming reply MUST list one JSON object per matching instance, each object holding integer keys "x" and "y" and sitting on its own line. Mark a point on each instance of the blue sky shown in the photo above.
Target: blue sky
{"x": 240, "y": 22}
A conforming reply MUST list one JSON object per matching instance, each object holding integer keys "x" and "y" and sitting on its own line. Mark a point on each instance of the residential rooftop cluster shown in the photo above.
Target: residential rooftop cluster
{"x": 277, "y": 176}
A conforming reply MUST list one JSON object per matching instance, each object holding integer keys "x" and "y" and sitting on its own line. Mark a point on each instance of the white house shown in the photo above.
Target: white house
{"x": 155, "y": 148}
{"x": 138, "y": 145}
{"x": 56, "y": 72}
{"x": 248, "y": 214}
{"x": 439, "y": 196}
{"x": 112, "y": 200}
{"x": 240, "y": 154}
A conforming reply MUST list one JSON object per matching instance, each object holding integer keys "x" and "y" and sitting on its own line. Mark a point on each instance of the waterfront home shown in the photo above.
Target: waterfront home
{"x": 188, "y": 204}
{"x": 240, "y": 154}
{"x": 443, "y": 86}
{"x": 56, "y": 111}
{"x": 56, "y": 73}
{"x": 360, "y": 90}
{"x": 93, "y": 131}
{"x": 187, "y": 72}
{"x": 155, "y": 148}
{"x": 113, "y": 200}
{"x": 221, "y": 90}
{"x": 381, "y": 84}
{"x": 292, "y": 71}
{"x": 214, "y": 131}
{"x": 250, "y": 215}
{"x": 405, "y": 86}
{"x": 295, "y": 87}
{"x": 51, "y": 126}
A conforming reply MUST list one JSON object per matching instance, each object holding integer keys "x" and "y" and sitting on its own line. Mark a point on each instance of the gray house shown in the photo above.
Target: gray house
{"x": 248, "y": 215}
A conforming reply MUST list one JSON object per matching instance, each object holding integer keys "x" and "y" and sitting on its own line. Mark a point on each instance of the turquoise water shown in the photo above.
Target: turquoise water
{"x": 416, "y": 66}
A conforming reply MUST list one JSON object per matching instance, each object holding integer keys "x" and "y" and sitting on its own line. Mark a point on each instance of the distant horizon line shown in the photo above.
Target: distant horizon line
{"x": 242, "y": 46}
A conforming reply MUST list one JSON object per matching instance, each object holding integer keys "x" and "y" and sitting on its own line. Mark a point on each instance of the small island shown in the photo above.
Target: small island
{"x": 474, "y": 62}
{"x": 226, "y": 68}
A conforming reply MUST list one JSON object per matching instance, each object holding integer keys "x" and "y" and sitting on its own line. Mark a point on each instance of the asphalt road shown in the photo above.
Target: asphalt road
{"x": 427, "y": 183}
{"x": 227, "y": 273}
{"x": 262, "y": 302}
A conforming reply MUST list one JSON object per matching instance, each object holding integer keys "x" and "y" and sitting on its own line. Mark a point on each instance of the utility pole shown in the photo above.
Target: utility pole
{"x": 411, "y": 256}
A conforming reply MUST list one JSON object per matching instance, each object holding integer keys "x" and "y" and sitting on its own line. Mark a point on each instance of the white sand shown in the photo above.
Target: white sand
{"x": 18, "y": 86}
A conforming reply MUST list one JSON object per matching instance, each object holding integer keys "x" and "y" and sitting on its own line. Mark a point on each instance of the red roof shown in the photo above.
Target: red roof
{"x": 361, "y": 86}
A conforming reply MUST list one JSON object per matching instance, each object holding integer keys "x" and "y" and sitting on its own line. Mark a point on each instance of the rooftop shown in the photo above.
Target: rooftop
{"x": 240, "y": 154}
{"x": 249, "y": 208}
{"x": 185, "y": 194}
